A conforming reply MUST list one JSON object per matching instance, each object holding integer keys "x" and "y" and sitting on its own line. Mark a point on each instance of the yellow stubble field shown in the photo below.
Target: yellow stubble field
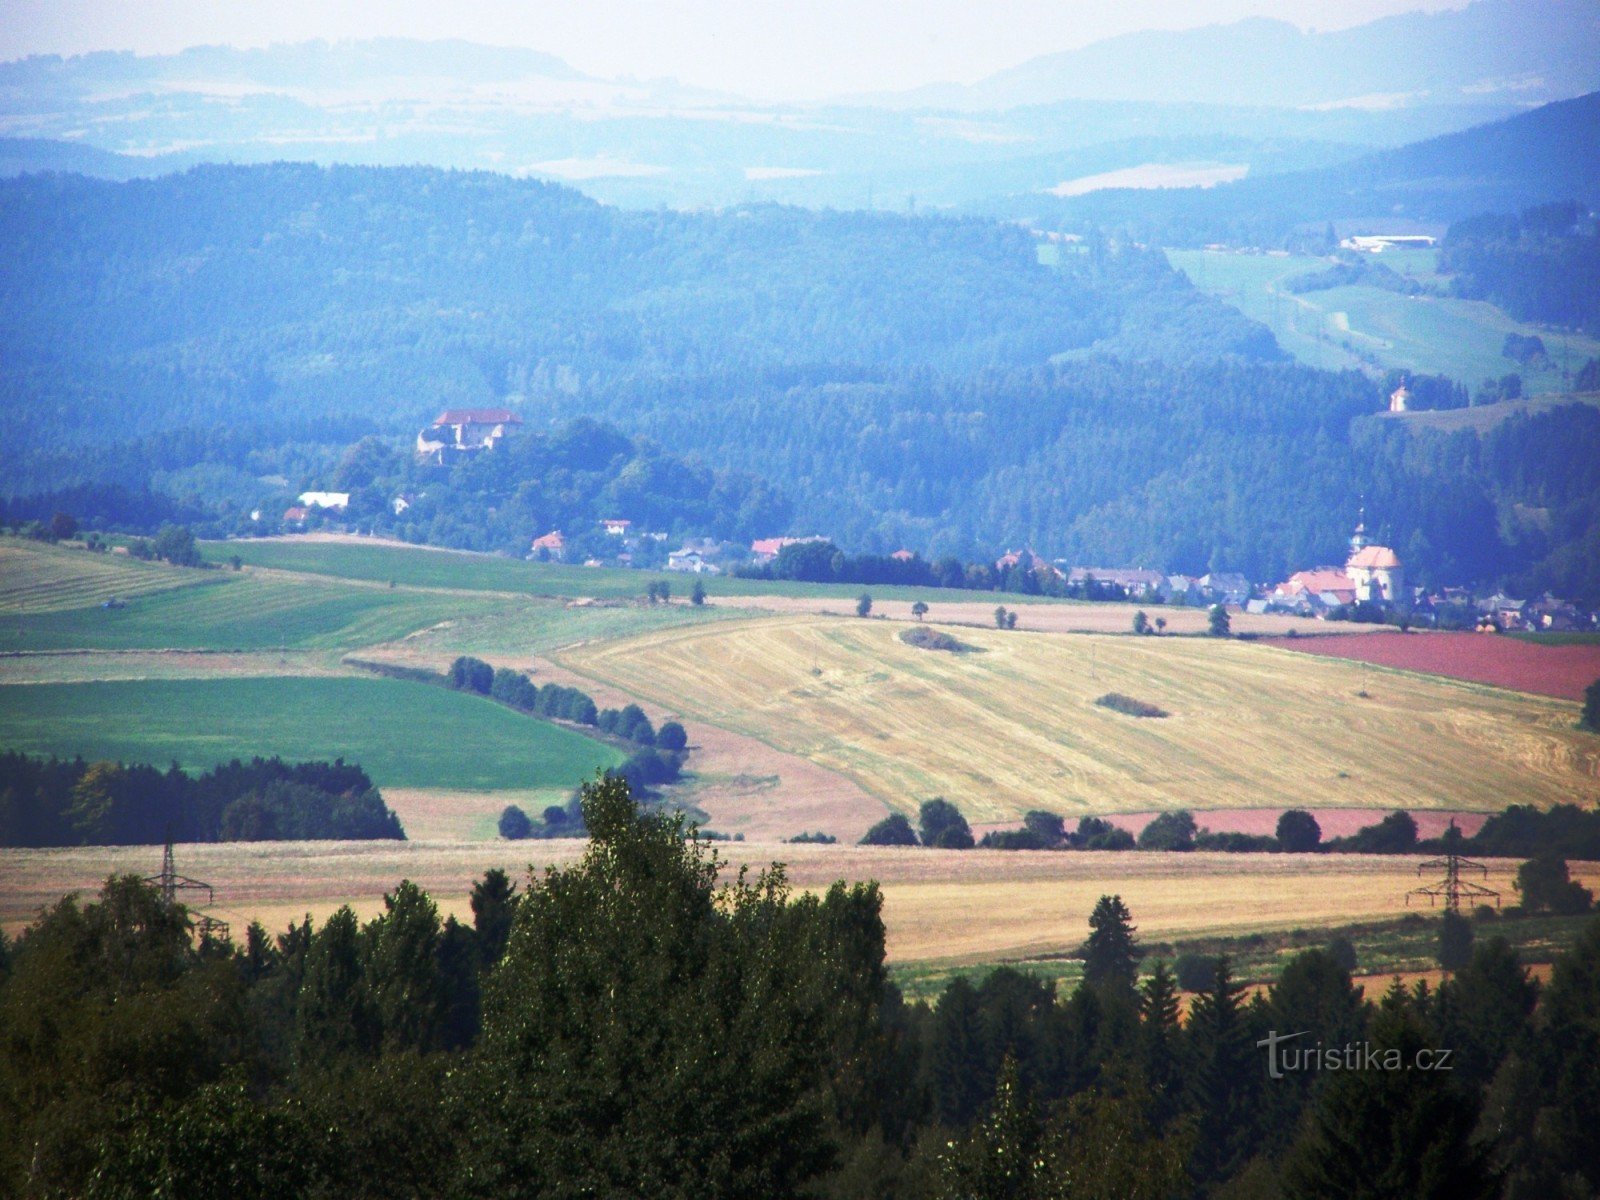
{"x": 939, "y": 905}
{"x": 1013, "y": 725}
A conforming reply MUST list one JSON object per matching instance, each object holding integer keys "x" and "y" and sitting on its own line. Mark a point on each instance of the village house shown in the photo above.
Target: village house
{"x": 551, "y": 547}
{"x": 1228, "y": 587}
{"x": 616, "y": 528}
{"x": 1135, "y": 581}
{"x": 692, "y": 562}
{"x": 297, "y": 516}
{"x": 458, "y": 431}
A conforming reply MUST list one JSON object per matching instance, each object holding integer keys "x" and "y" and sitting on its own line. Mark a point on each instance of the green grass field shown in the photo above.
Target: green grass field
{"x": 225, "y": 611}
{"x": 406, "y": 735}
{"x": 1366, "y": 326}
{"x": 38, "y": 577}
{"x": 420, "y": 567}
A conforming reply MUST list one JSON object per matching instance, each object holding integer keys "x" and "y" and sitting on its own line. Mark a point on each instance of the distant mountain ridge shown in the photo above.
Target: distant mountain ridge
{"x": 1529, "y": 51}
{"x": 1538, "y": 157}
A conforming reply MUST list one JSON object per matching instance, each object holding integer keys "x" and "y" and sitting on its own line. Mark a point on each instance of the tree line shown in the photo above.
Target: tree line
{"x": 71, "y": 802}
{"x": 637, "y": 1024}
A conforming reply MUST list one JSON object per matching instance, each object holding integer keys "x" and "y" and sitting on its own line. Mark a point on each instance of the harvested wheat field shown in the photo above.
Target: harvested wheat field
{"x": 1013, "y": 726}
{"x": 1562, "y": 670}
{"x": 939, "y": 905}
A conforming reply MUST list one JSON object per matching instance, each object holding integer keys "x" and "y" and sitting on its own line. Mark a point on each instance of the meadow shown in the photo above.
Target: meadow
{"x": 228, "y": 611}
{"x": 1015, "y": 726}
{"x": 1430, "y": 335}
{"x": 38, "y": 577}
{"x": 412, "y": 566}
{"x": 406, "y": 735}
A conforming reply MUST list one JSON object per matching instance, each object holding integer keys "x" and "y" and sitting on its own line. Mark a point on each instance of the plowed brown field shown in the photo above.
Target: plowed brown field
{"x": 1561, "y": 671}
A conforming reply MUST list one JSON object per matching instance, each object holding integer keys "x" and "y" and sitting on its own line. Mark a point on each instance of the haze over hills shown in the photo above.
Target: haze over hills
{"x": 1523, "y": 51}
{"x": 1538, "y": 157}
{"x": 1255, "y": 98}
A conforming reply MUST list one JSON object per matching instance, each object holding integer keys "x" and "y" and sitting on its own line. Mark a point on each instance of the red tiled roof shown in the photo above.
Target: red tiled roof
{"x": 1375, "y": 558}
{"x": 1318, "y": 580}
{"x": 477, "y": 416}
{"x": 297, "y": 513}
{"x": 550, "y": 541}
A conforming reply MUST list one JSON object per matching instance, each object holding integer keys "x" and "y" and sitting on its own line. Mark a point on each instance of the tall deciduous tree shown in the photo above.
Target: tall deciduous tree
{"x": 653, "y": 1032}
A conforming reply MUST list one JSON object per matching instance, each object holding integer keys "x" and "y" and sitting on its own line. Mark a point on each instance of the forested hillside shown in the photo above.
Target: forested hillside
{"x": 1540, "y": 265}
{"x": 217, "y": 341}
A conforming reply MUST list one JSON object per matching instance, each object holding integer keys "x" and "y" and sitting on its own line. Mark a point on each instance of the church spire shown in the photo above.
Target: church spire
{"x": 1358, "y": 540}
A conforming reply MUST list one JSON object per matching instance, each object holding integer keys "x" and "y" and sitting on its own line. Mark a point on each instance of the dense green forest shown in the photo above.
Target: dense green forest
{"x": 190, "y": 348}
{"x": 1541, "y": 265}
{"x": 70, "y": 802}
{"x": 634, "y": 1025}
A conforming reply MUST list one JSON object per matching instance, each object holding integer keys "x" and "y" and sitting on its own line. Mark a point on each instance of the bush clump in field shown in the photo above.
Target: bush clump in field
{"x": 1170, "y": 831}
{"x": 1545, "y": 884}
{"x": 1128, "y": 706}
{"x": 924, "y": 638}
{"x": 943, "y": 826}
{"x": 629, "y": 722}
{"x": 812, "y": 839}
{"x": 1040, "y": 830}
{"x": 514, "y": 824}
{"x": 1096, "y": 833}
{"x": 468, "y": 674}
{"x": 893, "y": 830}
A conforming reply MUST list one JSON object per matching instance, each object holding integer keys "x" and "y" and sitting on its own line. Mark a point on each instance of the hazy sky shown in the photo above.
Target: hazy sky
{"x": 779, "y": 49}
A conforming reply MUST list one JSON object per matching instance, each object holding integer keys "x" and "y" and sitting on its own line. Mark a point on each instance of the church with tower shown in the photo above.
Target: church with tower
{"x": 1370, "y": 573}
{"x": 1375, "y": 572}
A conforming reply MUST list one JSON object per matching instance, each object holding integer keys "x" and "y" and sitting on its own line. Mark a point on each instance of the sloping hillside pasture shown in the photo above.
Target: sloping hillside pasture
{"x": 36, "y": 577}
{"x": 415, "y": 566}
{"x": 1015, "y": 727}
{"x": 948, "y": 907}
{"x": 528, "y": 627}
{"x": 1432, "y": 335}
{"x": 405, "y": 735}
{"x": 242, "y": 612}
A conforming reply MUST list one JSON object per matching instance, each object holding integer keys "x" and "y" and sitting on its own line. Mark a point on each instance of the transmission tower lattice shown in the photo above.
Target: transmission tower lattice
{"x": 1452, "y": 887}
{"x": 171, "y": 883}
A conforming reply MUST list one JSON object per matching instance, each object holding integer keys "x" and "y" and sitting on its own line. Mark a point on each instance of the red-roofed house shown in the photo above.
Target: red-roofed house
{"x": 297, "y": 515}
{"x": 902, "y": 556}
{"x": 1316, "y": 583}
{"x": 552, "y": 547}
